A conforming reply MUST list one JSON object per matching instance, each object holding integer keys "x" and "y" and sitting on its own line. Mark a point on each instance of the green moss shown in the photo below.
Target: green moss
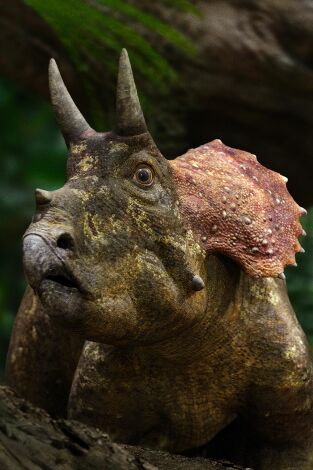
{"x": 94, "y": 32}
{"x": 182, "y": 5}
{"x": 108, "y": 25}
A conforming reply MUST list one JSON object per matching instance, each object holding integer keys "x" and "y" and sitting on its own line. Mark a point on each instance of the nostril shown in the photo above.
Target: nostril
{"x": 65, "y": 241}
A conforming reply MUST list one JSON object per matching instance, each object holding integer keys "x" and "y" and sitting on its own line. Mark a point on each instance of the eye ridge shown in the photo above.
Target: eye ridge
{"x": 144, "y": 175}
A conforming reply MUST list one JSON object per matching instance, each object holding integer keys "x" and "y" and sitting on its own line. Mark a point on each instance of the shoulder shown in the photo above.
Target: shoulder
{"x": 278, "y": 344}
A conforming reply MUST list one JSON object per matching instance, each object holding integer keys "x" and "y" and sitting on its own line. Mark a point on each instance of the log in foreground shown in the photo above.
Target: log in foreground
{"x": 30, "y": 438}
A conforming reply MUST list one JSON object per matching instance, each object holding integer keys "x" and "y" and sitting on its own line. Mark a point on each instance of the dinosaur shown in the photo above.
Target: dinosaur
{"x": 157, "y": 307}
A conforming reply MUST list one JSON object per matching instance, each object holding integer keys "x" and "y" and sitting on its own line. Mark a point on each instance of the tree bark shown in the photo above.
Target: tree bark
{"x": 249, "y": 83}
{"x": 31, "y": 439}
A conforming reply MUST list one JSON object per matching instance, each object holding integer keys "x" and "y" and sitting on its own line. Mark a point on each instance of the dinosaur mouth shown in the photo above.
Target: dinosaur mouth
{"x": 61, "y": 294}
{"x": 52, "y": 278}
{"x": 63, "y": 281}
{"x": 44, "y": 268}
{"x": 60, "y": 282}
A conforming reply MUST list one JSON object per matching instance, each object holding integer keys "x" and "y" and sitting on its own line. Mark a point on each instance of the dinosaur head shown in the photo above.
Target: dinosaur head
{"x": 119, "y": 252}
{"x": 109, "y": 253}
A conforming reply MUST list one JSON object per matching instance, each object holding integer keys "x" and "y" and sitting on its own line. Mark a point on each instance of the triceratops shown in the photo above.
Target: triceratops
{"x": 157, "y": 308}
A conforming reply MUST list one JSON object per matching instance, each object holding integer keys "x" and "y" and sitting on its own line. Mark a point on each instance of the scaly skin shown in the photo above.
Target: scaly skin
{"x": 249, "y": 359}
{"x": 246, "y": 357}
{"x": 147, "y": 266}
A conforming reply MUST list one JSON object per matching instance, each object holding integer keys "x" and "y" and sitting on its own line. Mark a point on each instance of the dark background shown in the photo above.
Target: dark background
{"x": 236, "y": 70}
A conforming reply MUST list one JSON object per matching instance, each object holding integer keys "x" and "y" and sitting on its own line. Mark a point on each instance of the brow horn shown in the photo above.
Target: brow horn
{"x": 71, "y": 122}
{"x": 130, "y": 118}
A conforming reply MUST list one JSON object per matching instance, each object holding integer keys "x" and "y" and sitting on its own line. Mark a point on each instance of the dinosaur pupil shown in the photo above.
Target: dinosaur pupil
{"x": 144, "y": 175}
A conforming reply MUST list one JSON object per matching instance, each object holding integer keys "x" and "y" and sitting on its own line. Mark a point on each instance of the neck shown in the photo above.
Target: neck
{"x": 211, "y": 329}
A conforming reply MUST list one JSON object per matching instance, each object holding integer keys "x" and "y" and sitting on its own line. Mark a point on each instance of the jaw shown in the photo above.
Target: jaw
{"x": 116, "y": 319}
{"x": 110, "y": 319}
{"x": 134, "y": 302}
{"x": 59, "y": 297}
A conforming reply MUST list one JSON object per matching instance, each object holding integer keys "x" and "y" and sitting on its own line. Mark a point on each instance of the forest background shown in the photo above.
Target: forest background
{"x": 236, "y": 70}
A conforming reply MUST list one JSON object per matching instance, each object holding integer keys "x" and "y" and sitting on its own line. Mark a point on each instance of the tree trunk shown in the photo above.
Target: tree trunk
{"x": 31, "y": 439}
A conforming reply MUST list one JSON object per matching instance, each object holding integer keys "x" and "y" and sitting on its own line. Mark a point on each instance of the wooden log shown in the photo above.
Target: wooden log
{"x": 31, "y": 439}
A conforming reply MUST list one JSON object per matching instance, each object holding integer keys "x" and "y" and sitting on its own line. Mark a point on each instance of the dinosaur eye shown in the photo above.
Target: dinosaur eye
{"x": 144, "y": 176}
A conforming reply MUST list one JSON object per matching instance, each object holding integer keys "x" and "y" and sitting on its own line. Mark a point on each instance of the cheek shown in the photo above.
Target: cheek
{"x": 162, "y": 302}
{"x": 154, "y": 291}
{"x": 137, "y": 302}
{"x": 111, "y": 319}
{"x": 104, "y": 239}
{"x": 132, "y": 297}
{"x": 92, "y": 229}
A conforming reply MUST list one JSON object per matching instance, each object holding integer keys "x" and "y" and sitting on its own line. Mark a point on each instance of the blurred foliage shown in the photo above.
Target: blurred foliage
{"x": 125, "y": 25}
{"x": 300, "y": 279}
{"x": 116, "y": 18}
{"x": 33, "y": 155}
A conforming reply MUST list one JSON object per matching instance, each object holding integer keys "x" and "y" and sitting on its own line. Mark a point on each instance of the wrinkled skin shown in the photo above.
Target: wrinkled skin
{"x": 119, "y": 238}
{"x": 112, "y": 331}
